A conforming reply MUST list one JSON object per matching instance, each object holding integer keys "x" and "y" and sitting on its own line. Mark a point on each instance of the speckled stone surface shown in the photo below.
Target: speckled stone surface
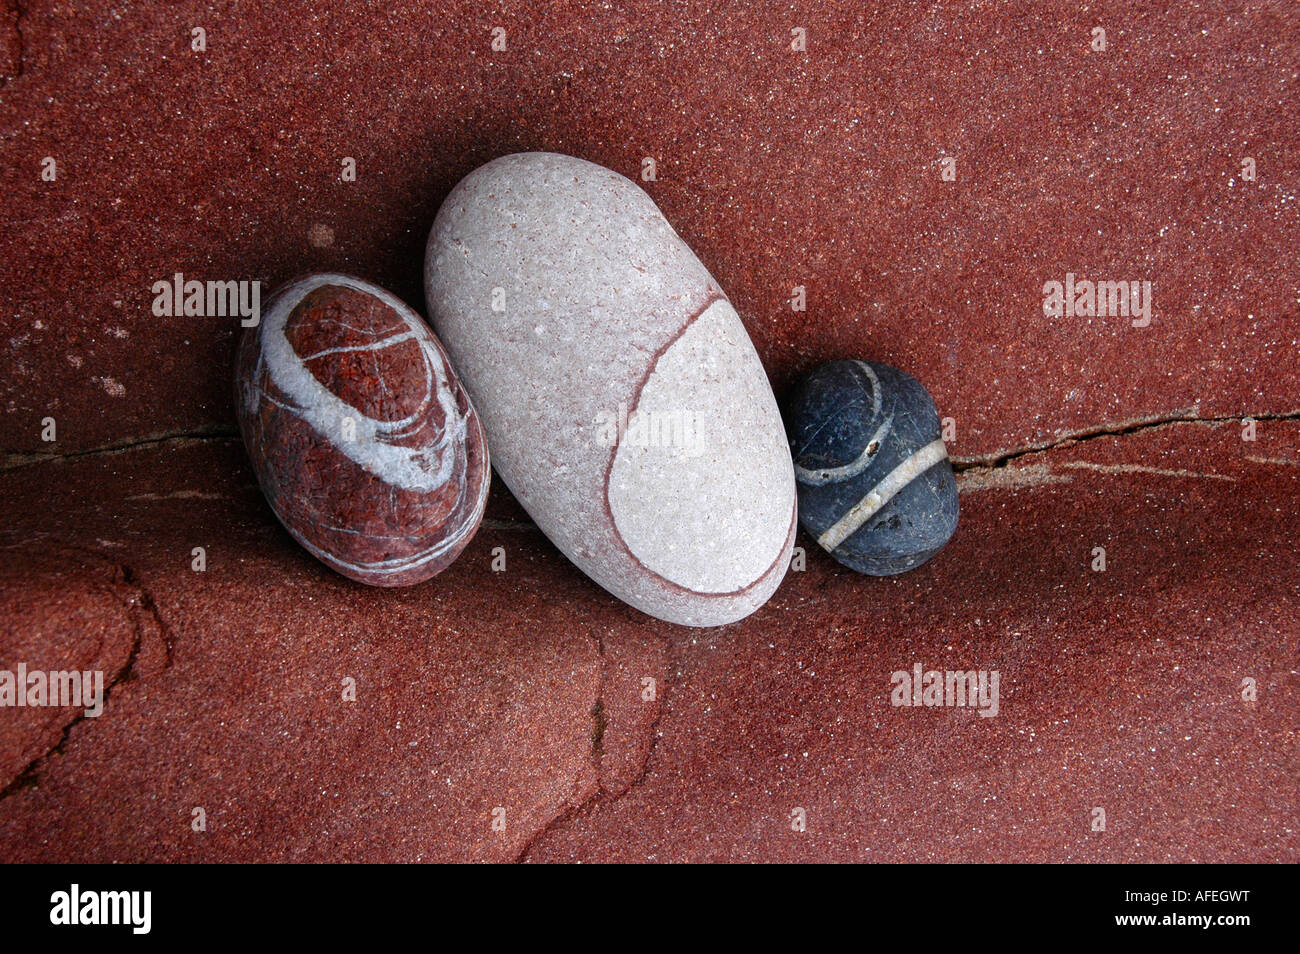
{"x": 626, "y": 407}
{"x": 363, "y": 440}
{"x": 875, "y": 485}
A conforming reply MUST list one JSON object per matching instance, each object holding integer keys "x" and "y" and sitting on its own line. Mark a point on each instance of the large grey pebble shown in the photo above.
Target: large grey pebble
{"x": 624, "y": 404}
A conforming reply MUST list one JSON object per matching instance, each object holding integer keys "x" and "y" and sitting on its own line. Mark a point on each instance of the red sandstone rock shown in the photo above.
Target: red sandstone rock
{"x": 65, "y": 610}
{"x": 1121, "y": 689}
{"x": 366, "y": 445}
{"x": 818, "y": 169}
{"x": 525, "y": 689}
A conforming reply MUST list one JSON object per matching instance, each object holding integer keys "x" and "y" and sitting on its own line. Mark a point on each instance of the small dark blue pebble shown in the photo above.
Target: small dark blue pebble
{"x": 876, "y": 488}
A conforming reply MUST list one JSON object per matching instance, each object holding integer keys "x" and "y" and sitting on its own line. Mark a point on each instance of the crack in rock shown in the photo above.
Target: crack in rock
{"x": 149, "y": 629}
{"x": 1000, "y": 459}
{"x": 975, "y": 479}
{"x": 223, "y": 432}
{"x": 603, "y": 794}
{"x": 596, "y": 753}
{"x": 179, "y": 438}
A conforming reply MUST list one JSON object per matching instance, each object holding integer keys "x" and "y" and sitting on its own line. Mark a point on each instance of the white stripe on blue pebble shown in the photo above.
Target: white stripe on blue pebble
{"x": 831, "y": 475}
{"x": 882, "y": 493}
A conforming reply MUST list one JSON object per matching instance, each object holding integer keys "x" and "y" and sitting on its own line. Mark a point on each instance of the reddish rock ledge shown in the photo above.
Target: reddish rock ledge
{"x": 523, "y": 713}
{"x": 529, "y": 689}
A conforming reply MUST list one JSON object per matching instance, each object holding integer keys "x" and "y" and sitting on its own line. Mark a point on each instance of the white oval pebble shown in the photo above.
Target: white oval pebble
{"x": 624, "y": 404}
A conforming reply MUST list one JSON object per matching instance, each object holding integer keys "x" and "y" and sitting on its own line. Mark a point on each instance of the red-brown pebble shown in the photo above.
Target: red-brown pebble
{"x": 364, "y": 442}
